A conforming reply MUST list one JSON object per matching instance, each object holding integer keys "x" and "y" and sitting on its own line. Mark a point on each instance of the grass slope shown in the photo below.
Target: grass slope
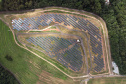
{"x": 24, "y": 65}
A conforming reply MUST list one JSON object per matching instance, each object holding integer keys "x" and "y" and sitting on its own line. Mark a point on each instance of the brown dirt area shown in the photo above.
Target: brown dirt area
{"x": 47, "y": 78}
{"x": 51, "y": 29}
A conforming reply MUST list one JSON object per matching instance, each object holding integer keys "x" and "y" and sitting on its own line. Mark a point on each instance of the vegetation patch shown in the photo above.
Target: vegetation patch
{"x": 110, "y": 80}
{"x": 6, "y": 77}
{"x": 56, "y": 11}
{"x": 9, "y": 58}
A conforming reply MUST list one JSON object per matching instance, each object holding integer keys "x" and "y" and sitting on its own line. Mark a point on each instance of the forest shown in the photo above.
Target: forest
{"x": 6, "y": 77}
{"x": 114, "y": 15}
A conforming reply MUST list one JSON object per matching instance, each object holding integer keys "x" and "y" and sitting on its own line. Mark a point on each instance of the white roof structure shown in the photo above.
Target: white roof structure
{"x": 116, "y": 69}
{"x": 78, "y": 40}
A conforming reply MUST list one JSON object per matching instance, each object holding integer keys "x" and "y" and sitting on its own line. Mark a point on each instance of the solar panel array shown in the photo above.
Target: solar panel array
{"x": 46, "y": 19}
{"x": 52, "y": 46}
{"x": 100, "y": 64}
{"x": 76, "y": 22}
{"x": 71, "y": 58}
{"x": 97, "y": 50}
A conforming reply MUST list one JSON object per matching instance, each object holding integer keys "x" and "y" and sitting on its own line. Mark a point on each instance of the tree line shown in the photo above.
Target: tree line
{"x": 92, "y": 5}
{"x": 114, "y": 16}
{"x": 6, "y": 77}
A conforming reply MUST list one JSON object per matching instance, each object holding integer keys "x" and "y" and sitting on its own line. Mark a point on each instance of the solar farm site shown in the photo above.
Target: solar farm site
{"x": 72, "y": 42}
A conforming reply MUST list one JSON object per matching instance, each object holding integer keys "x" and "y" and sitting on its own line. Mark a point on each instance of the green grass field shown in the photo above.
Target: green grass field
{"x": 113, "y": 80}
{"x": 56, "y": 11}
{"x": 46, "y": 31}
{"x": 24, "y": 64}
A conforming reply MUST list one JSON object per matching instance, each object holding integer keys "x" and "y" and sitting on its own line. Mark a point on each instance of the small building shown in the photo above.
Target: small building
{"x": 78, "y": 41}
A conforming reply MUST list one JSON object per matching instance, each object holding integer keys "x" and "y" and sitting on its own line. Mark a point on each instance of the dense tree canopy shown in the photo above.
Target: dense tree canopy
{"x": 6, "y": 77}
{"x": 116, "y": 24}
{"x": 114, "y": 15}
{"x": 92, "y": 5}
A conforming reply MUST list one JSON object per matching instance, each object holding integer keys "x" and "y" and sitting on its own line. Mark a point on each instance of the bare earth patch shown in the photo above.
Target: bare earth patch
{"x": 47, "y": 78}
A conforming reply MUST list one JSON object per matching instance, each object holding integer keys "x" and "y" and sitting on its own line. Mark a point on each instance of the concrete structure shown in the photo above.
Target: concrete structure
{"x": 116, "y": 69}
